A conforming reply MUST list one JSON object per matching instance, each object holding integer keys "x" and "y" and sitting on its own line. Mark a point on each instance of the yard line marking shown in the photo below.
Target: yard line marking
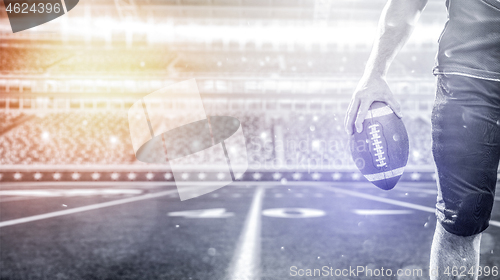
{"x": 495, "y": 223}
{"x": 412, "y": 189}
{"x": 202, "y": 214}
{"x": 17, "y": 198}
{"x": 87, "y": 208}
{"x": 245, "y": 264}
{"x": 380, "y": 199}
{"x": 369, "y": 212}
{"x": 388, "y": 201}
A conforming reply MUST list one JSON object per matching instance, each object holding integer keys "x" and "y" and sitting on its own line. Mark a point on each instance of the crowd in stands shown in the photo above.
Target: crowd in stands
{"x": 102, "y": 61}
{"x": 9, "y": 119}
{"x": 115, "y": 62}
{"x": 68, "y": 138}
{"x": 99, "y": 61}
{"x": 273, "y": 140}
{"x": 27, "y": 60}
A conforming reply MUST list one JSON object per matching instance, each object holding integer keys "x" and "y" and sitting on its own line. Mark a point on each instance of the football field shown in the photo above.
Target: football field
{"x": 247, "y": 230}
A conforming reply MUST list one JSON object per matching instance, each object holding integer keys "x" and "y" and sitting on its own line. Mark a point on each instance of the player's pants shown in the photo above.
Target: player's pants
{"x": 466, "y": 149}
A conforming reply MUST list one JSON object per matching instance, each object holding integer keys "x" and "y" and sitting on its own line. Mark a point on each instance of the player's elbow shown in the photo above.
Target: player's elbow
{"x": 416, "y": 5}
{"x": 402, "y": 14}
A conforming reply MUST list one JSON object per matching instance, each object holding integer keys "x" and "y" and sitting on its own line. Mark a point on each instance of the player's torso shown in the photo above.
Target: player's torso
{"x": 470, "y": 42}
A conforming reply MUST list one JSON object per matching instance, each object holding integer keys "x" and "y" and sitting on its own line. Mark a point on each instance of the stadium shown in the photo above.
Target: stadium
{"x": 76, "y": 203}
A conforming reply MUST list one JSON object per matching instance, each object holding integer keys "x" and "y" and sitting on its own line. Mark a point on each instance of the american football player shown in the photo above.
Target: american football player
{"x": 465, "y": 119}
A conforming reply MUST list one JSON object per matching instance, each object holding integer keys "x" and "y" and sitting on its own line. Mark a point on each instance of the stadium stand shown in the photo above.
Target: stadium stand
{"x": 36, "y": 60}
{"x": 83, "y": 138}
{"x": 9, "y": 120}
{"x": 68, "y": 138}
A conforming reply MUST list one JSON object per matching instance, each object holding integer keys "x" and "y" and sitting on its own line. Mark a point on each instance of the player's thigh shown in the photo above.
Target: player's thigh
{"x": 466, "y": 149}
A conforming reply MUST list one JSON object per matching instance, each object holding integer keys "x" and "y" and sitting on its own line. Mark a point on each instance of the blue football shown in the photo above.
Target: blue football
{"x": 381, "y": 150}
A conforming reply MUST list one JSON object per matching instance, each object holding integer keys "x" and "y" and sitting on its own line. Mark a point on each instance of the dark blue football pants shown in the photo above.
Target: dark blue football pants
{"x": 466, "y": 149}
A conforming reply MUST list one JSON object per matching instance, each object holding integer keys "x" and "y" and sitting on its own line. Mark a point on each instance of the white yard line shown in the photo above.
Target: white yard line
{"x": 372, "y": 212}
{"x": 17, "y": 198}
{"x": 417, "y": 190}
{"x": 245, "y": 264}
{"x": 89, "y": 207}
{"x": 388, "y": 201}
{"x": 495, "y": 223}
{"x": 380, "y": 199}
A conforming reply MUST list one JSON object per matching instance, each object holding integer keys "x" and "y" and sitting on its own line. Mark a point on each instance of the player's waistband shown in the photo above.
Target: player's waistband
{"x": 467, "y": 72}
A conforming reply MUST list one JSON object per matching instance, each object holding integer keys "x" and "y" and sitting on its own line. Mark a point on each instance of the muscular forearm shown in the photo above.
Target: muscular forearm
{"x": 395, "y": 26}
{"x": 396, "y": 23}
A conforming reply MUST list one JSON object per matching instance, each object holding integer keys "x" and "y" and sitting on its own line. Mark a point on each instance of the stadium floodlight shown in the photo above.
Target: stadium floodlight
{"x": 115, "y": 176}
{"x": 150, "y": 176}
{"x": 131, "y": 176}
{"x": 415, "y": 176}
{"x": 277, "y": 176}
{"x": 336, "y": 176}
{"x": 75, "y": 176}
{"x": 96, "y": 176}
{"x": 18, "y": 176}
{"x": 37, "y": 176}
{"x": 187, "y": 139}
{"x": 57, "y": 176}
{"x": 221, "y": 176}
{"x": 316, "y": 176}
{"x": 257, "y": 176}
{"x": 434, "y": 176}
{"x": 296, "y": 176}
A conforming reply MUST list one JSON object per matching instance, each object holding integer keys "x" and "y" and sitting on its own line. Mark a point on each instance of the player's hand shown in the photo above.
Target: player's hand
{"x": 369, "y": 89}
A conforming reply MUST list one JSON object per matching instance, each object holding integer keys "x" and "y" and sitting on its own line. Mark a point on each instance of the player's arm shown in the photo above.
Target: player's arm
{"x": 395, "y": 26}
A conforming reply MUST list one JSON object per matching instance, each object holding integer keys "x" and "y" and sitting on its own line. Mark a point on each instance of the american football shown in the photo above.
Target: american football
{"x": 381, "y": 150}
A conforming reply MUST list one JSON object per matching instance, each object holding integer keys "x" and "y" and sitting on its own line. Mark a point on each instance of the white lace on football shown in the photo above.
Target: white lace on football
{"x": 374, "y": 132}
